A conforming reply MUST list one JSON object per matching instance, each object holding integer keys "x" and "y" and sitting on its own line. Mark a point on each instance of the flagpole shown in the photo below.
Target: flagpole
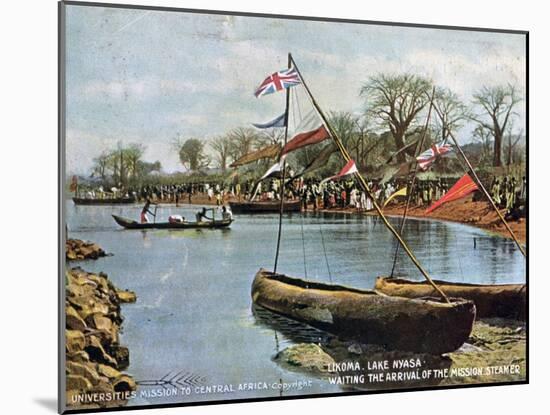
{"x": 282, "y": 191}
{"x": 419, "y": 146}
{"x": 365, "y": 187}
{"x": 481, "y": 187}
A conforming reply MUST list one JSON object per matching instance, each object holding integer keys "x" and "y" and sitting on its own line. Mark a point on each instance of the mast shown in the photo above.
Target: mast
{"x": 282, "y": 191}
{"x": 365, "y": 187}
{"x": 481, "y": 187}
{"x": 419, "y": 146}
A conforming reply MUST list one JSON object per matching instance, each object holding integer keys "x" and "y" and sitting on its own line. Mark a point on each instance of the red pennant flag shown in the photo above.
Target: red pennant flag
{"x": 463, "y": 187}
{"x": 349, "y": 168}
{"x": 306, "y": 139}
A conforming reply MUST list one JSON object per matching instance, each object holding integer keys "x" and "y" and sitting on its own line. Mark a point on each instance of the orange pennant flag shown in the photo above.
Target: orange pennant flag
{"x": 463, "y": 187}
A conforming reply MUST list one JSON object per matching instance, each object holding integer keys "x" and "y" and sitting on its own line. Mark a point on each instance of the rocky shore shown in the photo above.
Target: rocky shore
{"x": 76, "y": 249}
{"x": 494, "y": 353}
{"x": 94, "y": 357}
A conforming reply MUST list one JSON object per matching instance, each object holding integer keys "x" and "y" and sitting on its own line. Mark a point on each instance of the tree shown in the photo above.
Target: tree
{"x": 344, "y": 125}
{"x": 483, "y": 137}
{"x": 242, "y": 140}
{"x": 117, "y": 164}
{"x": 510, "y": 145}
{"x": 270, "y": 136}
{"x": 452, "y": 113}
{"x": 366, "y": 141}
{"x": 396, "y": 100}
{"x": 101, "y": 164}
{"x": 497, "y": 104}
{"x": 222, "y": 149}
{"x": 146, "y": 168}
{"x": 133, "y": 154}
{"x": 191, "y": 154}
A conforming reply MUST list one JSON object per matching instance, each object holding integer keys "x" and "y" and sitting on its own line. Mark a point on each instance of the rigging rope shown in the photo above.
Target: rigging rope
{"x": 293, "y": 98}
{"x": 363, "y": 182}
{"x": 412, "y": 181}
{"x": 325, "y": 252}
{"x": 303, "y": 245}
{"x": 298, "y": 105}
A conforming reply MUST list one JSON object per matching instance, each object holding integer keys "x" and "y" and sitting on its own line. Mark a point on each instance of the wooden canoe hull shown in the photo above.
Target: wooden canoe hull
{"x": 132, "y": 224}
{"x": 424, "y": 326}
{"x": 505, "y": 300}
{"x": 265, "y": 207}
{"x": 112, "y": 201}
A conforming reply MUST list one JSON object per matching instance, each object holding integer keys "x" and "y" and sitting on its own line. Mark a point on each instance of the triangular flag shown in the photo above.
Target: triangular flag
{"x": 400, "y": 192}
{"x": 463, "y": 187}
{"x": 268, "y": 152}
{"x": 349, "y": 168}
{"x": 277, "y": 122}
{"x": 277, "y": 167}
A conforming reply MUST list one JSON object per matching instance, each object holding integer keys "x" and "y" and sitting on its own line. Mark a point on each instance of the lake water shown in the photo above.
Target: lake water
{"x": 193, "y": 314}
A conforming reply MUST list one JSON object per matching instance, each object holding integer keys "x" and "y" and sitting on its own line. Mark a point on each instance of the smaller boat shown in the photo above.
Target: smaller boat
{"x": 208, "y": 224}
{"x": 419, "y": 325}
{"x": 501, "y": 300}
{"x": 106, "y": 201}
{"x": 272, "y": 206}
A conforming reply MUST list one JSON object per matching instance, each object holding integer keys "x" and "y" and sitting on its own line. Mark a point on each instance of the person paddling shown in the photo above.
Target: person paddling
{"x": 145, "y": 211}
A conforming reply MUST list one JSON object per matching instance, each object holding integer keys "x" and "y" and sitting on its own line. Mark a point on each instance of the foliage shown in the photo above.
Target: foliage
{"x": 123, "y": 166}
{"x": 396, "y": 101}
{"x": 192, "y": 156}
{"x": 450, "y": 113}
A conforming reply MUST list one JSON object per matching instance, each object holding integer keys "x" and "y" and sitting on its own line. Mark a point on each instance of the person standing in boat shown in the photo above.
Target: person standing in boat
{"x": 226, "y": 213}
{"x": 145, "y": 211}
{"x": 201, "y": 214}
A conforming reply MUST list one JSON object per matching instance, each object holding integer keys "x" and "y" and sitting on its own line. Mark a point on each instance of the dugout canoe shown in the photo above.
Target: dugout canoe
{"x": 107, "y": 201}
{"x": 426, "y": 326}
{"x": 272, "y": 206}
{"x": 132, "y": 224}
{"x": 500, "y": 300}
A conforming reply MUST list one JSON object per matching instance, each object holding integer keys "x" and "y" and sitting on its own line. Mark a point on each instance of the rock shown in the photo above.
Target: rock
{"x": 355, "y": 348}
{"x": 78, "y": 249}
{"x": 468, "y": 348}
{"x": 122, "y": 356}
{"x": 84, "y": 370}
{"x": 77, "y": 382}
{"x": 80, "y": 357}
{"x": 126, "y": 296}
{"x": 73, "y": 320}
{"x": 104, "y": 386}
{"x": 306, "y": 356}
{"x": 86, "y": 306}
{"x": 93, "y": 318}
{"x": 74, "y": 341}
{"x": 102, "y": 323}
{"x": 108, "y": 371}
{"x": 124, "y": 383}
{"x": 97, "y": 353}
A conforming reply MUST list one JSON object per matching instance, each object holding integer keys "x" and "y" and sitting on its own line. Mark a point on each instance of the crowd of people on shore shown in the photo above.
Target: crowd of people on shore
{"x": 508, "y": 192}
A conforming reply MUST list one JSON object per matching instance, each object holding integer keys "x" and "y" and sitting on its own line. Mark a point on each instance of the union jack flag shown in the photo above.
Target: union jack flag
{"x": 426, "y": 158}
{"x": 278, "y": 81}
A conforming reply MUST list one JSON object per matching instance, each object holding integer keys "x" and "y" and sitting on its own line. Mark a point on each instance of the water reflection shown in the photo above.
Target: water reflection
{"x": 193, "y": 312}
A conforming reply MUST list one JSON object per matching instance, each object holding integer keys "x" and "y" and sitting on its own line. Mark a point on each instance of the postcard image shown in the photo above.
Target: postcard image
{"x": 258, "y": 207}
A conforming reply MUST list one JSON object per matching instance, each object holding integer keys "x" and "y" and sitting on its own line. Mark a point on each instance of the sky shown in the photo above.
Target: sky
{"x": 142, "y": 76}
